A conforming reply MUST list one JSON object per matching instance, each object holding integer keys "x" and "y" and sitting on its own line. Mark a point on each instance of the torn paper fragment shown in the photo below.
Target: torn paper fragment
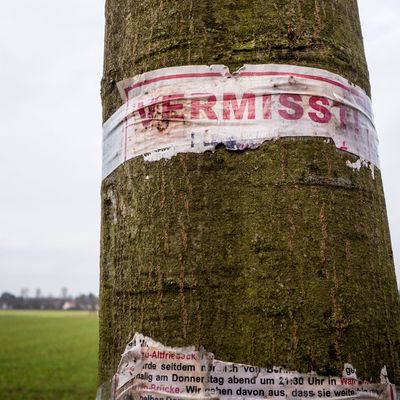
{"x": 356, "y": 166}
{"x": 196, "y": 108}
{"x": 149, "y": 370}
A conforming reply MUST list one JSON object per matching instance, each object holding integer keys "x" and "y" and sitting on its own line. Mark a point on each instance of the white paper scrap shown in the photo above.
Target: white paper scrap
{"x": 151, "y": 371}
{"x": 195, "y": 108}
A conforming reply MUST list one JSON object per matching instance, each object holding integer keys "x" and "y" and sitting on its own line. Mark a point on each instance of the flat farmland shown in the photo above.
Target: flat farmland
{"x": 48, "y": 355}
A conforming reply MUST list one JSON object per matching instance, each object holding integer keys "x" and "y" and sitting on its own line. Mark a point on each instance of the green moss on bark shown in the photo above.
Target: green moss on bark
{"x": 275, "y": 256}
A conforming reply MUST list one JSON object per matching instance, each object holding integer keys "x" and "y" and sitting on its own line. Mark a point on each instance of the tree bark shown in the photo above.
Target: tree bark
{"x": 275, "y": 256}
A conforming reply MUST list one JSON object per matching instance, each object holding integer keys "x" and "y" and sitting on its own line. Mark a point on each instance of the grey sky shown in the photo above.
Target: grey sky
{"x": 51, "y": 127}
{"x": 50, "y": 158}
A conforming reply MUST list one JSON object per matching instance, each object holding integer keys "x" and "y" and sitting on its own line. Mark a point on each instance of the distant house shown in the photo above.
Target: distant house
{"x": 69, "y": 305}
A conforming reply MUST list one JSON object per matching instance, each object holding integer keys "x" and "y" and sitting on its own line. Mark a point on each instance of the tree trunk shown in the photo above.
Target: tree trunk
{"x": 274, "y": 256}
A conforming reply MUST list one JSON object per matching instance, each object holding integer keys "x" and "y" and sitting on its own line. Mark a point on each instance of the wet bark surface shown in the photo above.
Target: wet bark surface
{"x": 274, "y": 256}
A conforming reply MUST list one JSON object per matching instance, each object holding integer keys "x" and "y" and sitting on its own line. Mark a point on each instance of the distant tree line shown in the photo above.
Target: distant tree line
{"x": 9, "y": 301}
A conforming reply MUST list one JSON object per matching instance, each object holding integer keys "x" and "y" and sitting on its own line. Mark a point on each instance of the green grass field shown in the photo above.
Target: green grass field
{"x": 48, "y": 355}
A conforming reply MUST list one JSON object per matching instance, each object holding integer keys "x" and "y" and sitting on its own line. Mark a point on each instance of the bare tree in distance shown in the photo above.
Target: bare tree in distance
{"x": 64, "y": 293}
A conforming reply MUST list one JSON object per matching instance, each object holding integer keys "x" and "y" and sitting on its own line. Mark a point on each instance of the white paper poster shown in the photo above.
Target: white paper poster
{"x": 195, "y": 108}
{"x": 151, "y": 371}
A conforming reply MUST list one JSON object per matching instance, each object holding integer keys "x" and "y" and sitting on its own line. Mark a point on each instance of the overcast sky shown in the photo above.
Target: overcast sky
{"x": 50, "y": 157}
